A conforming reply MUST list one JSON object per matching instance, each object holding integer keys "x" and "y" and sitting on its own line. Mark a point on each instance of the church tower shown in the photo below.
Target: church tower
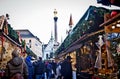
{"x": 70, "y": 24}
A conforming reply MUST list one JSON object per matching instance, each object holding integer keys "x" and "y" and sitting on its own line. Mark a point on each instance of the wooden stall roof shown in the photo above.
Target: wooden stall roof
{"x": 77, "y": 44}
{"x": 111, "y": 20}
{"x": 12, "y": 40}
{"x": 84, "y": 27}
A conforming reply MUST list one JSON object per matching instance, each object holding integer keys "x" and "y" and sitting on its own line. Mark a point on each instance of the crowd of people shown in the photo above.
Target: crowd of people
{"x": 24, "y": 68}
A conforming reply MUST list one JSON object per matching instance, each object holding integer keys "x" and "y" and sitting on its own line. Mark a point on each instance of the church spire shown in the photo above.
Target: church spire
{"x": 71, "y": 21}
{"x": 51, "y": 36}
{"x": 70, "y": 24}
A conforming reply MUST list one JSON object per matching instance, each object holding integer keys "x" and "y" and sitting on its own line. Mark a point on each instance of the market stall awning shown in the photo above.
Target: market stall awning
{"x": 112, "y": 25}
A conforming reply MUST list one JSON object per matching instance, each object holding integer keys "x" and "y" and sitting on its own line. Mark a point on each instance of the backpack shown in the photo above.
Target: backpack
{"x": 17, "y": 76}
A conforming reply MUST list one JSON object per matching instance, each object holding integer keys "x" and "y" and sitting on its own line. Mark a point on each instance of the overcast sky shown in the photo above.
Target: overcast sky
{"x": 37, "y": 15}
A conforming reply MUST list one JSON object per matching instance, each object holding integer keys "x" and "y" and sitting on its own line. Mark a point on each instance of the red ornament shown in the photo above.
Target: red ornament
{"x": 114, "y": 13}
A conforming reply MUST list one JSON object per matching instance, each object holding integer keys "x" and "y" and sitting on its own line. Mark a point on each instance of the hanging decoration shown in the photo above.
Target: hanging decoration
{"x": 1, "y": 47}
{"x": 5, "y": 27}
{"x": 19, "y": 37}
{"x": 2, "y": 18}
{"x": 114, "y": 13}
{"x": 118, "y": 49}
{"x": 98, "y": 63}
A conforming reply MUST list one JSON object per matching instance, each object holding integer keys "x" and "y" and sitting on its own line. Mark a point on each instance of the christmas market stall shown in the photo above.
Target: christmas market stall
{"x": 86, "y": 44}
{"x": 9, "y": 40}
{"x": 112, "y": 34}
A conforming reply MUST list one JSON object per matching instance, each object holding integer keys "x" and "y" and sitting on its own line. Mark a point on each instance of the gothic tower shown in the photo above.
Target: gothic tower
{"x": 70, "y": 24}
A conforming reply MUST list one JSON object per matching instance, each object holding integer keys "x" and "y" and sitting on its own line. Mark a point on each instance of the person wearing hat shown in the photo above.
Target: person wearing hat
{"x": 28, "y": 61}
{"x": 16, "y": 67}
{"x": 66, "y": 68}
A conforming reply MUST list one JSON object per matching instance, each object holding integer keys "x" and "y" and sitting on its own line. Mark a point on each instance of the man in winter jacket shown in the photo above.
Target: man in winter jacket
{"x": 30, "y": 67}
{"x": 16, "y": 66}
{"x": 39, "y": 69}
{"x": 66, "y": 68}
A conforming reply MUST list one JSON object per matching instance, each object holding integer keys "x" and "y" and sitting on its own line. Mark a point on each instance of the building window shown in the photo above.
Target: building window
{"x": 29, "y": 43}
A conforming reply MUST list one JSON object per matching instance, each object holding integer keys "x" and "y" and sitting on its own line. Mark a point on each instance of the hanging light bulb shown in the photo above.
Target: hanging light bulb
{"x": 118, "y": 25}
{"x": 118, "y": 21}
{"x": 113, "y": 27}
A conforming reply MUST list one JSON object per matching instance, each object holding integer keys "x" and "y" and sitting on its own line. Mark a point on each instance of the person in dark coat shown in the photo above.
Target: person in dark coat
{"x": 30, "y": 67}
{"x": 49, "y": 69}
{"x": 39, "y": 69}
{"x": 46, "y": 69}
{"x": 16, "y": 66}
{"x": 66, "y": 68}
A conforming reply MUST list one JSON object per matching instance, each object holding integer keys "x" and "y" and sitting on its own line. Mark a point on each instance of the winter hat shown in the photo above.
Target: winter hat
{"x": 15, "y": 53}
{"x": 28, "y": 58}
{"x": 40, "y": 58}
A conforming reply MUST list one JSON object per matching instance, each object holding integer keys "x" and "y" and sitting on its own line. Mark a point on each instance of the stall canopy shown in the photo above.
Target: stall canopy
{"x": 87, "y": 24}
{"x": 109, "y": 2}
